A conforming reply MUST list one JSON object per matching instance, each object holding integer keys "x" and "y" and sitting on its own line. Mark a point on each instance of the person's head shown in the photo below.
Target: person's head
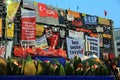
{"x": 62, "y": 13}
{"x": 106, "y": 57}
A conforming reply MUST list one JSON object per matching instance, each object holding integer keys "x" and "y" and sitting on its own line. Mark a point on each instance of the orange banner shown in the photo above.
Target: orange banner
{"x": 75, "y": 14}
{"x": 93, "y": 35}
{"x": 107, "y": 36}
{"x": 83, "y": 30}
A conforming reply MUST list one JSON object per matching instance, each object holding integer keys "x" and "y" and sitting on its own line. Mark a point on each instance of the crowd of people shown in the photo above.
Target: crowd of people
{"x": 113, "y": 66}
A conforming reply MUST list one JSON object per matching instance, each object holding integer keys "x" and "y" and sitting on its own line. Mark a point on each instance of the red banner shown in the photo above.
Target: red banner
{"x": 45, "y": 11}
{"x": 28, "y": 25}
{"x": 42, "y": 9}
{"x": 28, "y": 29}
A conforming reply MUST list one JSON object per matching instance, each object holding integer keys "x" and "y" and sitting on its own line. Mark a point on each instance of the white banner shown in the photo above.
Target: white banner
{"x": 9, "y": 49}
{"x": 28, "y": 4}
{"x": 42, "y": 42}
{"x": 75, "y": 34}
{"x": 27, "y": 13}
{"x": 92, "y": 45}
{"x": 74, "y": 46}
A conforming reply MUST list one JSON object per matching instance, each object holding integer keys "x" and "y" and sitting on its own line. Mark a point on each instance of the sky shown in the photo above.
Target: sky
{"x": 92, "y": 7}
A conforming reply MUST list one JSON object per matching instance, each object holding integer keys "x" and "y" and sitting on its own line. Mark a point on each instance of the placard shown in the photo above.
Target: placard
{"x": 28, "y": 24}
{"x": 75, "y": 46}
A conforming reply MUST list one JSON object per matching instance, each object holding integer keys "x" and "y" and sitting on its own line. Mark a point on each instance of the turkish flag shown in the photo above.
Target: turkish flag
{"x": 42, "y": 9}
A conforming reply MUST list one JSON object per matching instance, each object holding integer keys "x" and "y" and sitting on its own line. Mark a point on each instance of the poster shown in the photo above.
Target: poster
{"x": 0, "y": 27}
{"x": 75, "y": 46}
{"x": 91, "y": 20}
{"x": 92, "y": 45}
{"x": 28, "y": 24}
{"x": 42, "y": 42}
{"x": 100, "y": 40}
{"x": 28, "y": 4}
{"x": 12, "y": 10}
{"x": 2, "y": 51}
{"x": 39, "y": 30}
{"x": 9, "y": 32}
{"x": 75, "y": 34}
{"x": 62, "y": 16}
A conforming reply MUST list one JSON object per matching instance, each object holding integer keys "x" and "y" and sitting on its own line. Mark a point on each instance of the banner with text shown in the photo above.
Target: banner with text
{"x": 74, "y": 46}
{"x": 91, "y": 20}
{"x": 75, "y": 34}
{"x": 46, "y": 14}
{"x": 28, "y": 4}
{"x": 28, "y": 24}
{"x": 12, "y": 9}
{"x": 92, "y": 45}
{"x": 42, "y": 42}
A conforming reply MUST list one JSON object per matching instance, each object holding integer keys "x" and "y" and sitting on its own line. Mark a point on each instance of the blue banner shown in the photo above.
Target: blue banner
{"x": 91, "y": 20}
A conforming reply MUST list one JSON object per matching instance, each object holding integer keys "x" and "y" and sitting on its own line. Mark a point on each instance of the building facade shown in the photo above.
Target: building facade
{"x": 117, "y": 41}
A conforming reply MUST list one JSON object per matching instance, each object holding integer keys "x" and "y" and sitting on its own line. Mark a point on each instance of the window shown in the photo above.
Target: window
{"x": 117, "y": 37}
{"x": 118, "y": 49}
{"x": 118, "y": 43}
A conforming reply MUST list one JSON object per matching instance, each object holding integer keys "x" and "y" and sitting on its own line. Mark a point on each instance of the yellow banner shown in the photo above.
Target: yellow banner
{"x": 9, "y": 32}
{"x": 83, "y": 14}
{"x": 103, "y": 21}
{"x": 39, "y": 30}
{"x": 12, "y": 8}
{"x": 0, "y": 27}
{"x": 75, "y": 14}
{"x": 107, "y": 36}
